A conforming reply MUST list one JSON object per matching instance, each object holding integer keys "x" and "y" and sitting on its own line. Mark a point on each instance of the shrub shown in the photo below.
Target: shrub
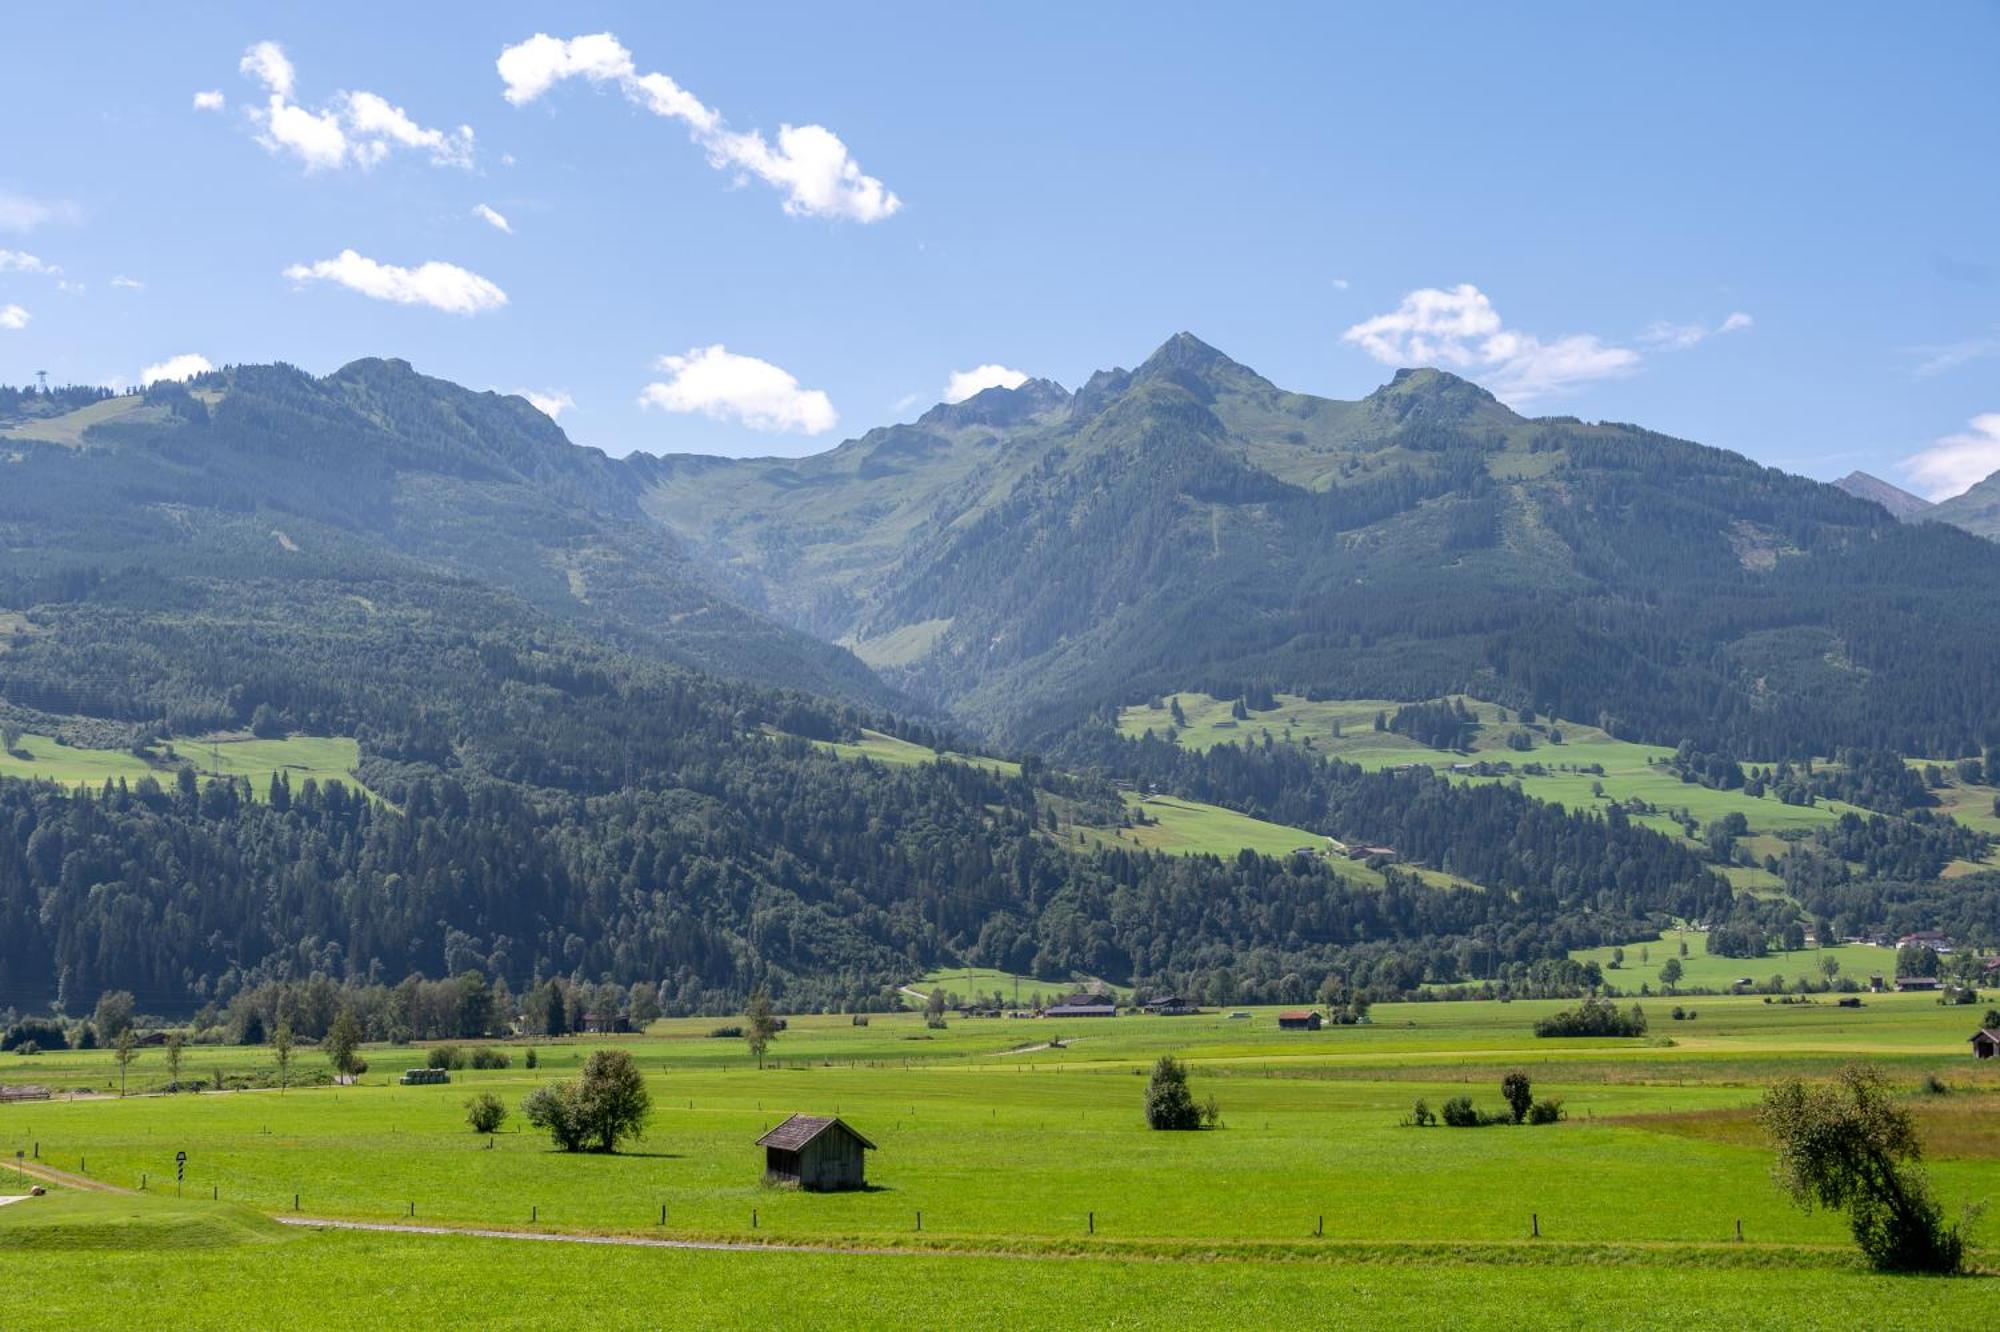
{"x": 1211, "y": 1113}
{"x": 445, "y": 1056}
{"x": 728, "y": 1031}
{"x": 27, "y": 1048}
{"x": 44, "y": 1034}
{"x": 530, "y": 1058}
{"x": 1546, "y": 1111}
{"x": 552, "y": 1110}
{"x": 1933, "y": 1085}
{"x": 1421, "y": 1114}
{"x": 486, "y": 1056}
{"x": 1458, "y": 1113}
{"x": 1169, "y": 1104}
{"x": 485, "y": 1113}
{"x": 1594, "y": 1017}
{"x": 1514, "y": 1088}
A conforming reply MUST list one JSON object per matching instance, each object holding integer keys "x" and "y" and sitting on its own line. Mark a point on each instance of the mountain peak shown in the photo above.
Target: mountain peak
{"x": 1898, "y": 501}
{"x": 999, "y": 405}
{"x": 1429, "y": 394}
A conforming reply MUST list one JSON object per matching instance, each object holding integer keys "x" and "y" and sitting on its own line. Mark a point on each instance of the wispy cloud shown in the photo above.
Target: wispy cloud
{"x": 14, "y": 317}
{"x": 440, "y": 286}
{"x": 551, "y": 403}
{"x": 128, "y": 283}
{"x": 1949, "y": 356}
{"x": 185, "y": 366}
{"x": 493, "y": 218}
{"x": 22, "y": 213}
{"x": 724, "y": 386}
{"x": 354, "y": 129}
{"x": 964, "y": 383}
{"x": 1458, "y": 328}
{"x": 808, "y": 163}
{"x": 1680, "y": 337}
{"x": 20, "y": 261}
{"x": 210, "y": 100}
{"x": 1957, "y": 462}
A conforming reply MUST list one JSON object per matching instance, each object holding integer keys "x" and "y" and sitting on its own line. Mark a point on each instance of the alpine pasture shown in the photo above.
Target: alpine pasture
{"x": 1014, "y": 1169}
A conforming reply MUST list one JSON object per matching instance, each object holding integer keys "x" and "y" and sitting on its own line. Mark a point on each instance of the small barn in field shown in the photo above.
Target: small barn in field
{"x": 815, "y": 1152}
{"x": 1299, "y": 1020}
{"x": 1985, "y": 1043}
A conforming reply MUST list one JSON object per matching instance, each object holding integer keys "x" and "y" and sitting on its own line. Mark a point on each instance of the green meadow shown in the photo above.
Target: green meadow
{"x": 1702, "y": 971}
{"x": 1032, "y": 1170}
{"x": 1617, "y": 769}
{"x": 299, "y": 757}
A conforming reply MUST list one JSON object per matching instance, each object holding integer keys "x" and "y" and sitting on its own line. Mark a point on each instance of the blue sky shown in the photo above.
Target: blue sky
{"x": 1771, "y": 228}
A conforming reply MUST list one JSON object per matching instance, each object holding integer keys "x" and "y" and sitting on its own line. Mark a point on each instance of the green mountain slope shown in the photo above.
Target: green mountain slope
{"x": 1026, "y": 558}
{"x": 263, "y": 472}
{"x": 1977, "y": 510}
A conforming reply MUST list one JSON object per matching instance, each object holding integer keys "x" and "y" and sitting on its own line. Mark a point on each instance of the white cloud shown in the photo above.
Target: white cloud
{"x": 267, "y": 63}
{"x": 720, "y": 384}
{"x": 128, "y": 283}
{"x": 1341, "y": 284}
{"x": 185, "y": 366}
{"x": 551, "y": 403}
{"x": 211, "y": 100}
{"x": 20, "y": 261}
{"x": 1460, "y": 329}
{"x": 357, "y": 128}
{"x": 492, "y": 217}
{"x": 14, "y": 317}
{"x": 1680, "y": 337}
{"x": 809, "y": 163}
{"x": 18, "y": 212}
{"x": 1957, "y": 462}
{"x": 441, "y": 286}
{"x": 964, "y": 383}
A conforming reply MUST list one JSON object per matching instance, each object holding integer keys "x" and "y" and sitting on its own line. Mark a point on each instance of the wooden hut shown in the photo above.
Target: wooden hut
{"x": 1985, "y": 1043}
{"x": 1299, "y": 1020}
{"x": 815, "y": 1152}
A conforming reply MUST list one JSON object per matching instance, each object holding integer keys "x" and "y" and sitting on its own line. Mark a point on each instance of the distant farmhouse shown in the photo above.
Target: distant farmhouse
{"x": 1170, "y": 1005}
{"x": 1092, "y": 1009}
{"x": 1299, "y": 1020}
{"x": 1909, "y": 983}
{"x": 815, "y": 1153}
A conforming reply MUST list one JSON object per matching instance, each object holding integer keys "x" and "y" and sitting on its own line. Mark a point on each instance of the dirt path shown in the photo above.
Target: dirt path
{"x": 624, "y": 1241}
{"x": 50, "y": 1175}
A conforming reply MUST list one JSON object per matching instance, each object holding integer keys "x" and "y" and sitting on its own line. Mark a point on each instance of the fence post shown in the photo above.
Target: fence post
{"x": 295, "y": 1202}
{"x": 1093, "y": 1223}
{"x": 534, "y": 1213}
{"x": 753, "y": 1218}
{"x": 1739, "y": 1230}
{"x": 1319, "y": 1226}
{"x": 663, "y": 1214}
{"x": 920, "y": 1218}
{"x": 1535, "y": 1224}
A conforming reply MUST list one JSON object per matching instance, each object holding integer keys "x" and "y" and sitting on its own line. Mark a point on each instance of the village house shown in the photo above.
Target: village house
{"x": 817, "y": 1153}
{"x": 1093, "y": 1009}
{"x": 1907, "y": 984}
{"x": 1170, "y": 1005}
{"x": 602, "y": 1024}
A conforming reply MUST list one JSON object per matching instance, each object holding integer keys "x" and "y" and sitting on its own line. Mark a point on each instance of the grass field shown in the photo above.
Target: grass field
{"x": 1182, "y": 827}
{"x": 325, "y": 758}
{"x": 1643, "y": 961}
{"x": 968, "y": 981}
{"x": 1044, "y": 1200}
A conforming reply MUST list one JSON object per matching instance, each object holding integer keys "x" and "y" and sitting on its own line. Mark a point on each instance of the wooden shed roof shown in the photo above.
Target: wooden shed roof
{"x": 796, "y": 1132}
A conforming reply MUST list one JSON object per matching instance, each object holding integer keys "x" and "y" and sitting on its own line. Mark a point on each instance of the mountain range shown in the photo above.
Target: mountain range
{"x": 1031, "y": 556}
